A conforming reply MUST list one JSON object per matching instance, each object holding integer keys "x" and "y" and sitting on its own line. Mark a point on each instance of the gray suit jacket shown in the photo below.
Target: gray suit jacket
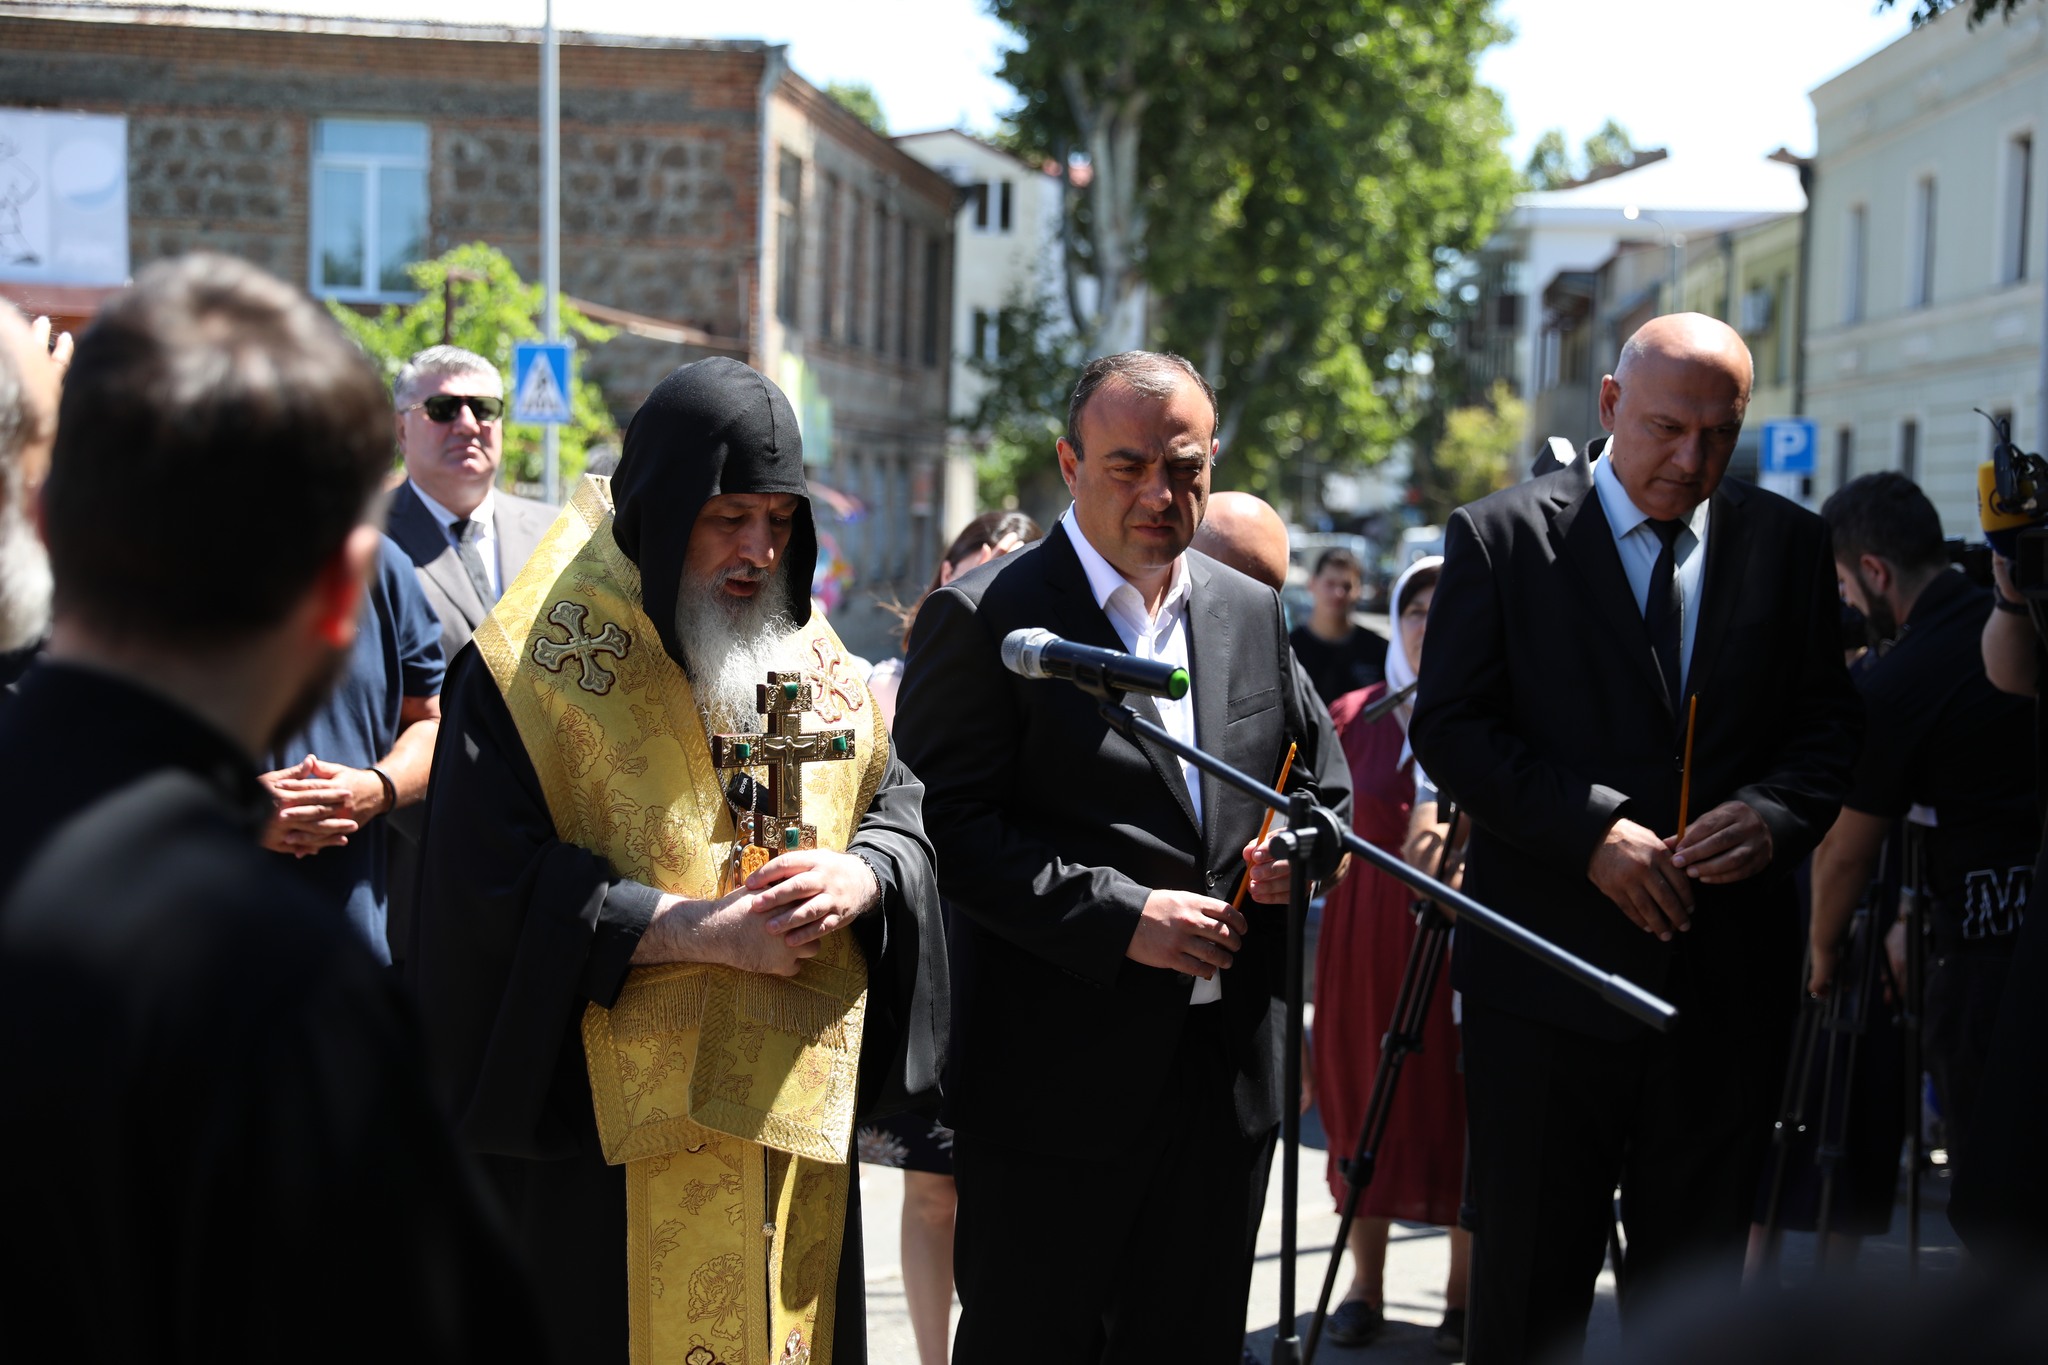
{"x": 520, "y": 522}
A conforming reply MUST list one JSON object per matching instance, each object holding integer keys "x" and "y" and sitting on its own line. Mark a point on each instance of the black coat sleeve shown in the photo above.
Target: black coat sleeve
{"x": 1801, "y": 792}
{"x": 1463, "y": 727}
{"x": 903, "y": 1049}
{"x": 517, "y": 931}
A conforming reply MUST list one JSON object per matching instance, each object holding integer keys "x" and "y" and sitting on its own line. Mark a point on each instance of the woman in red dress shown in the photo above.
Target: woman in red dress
{"x": 1367, "y": 928}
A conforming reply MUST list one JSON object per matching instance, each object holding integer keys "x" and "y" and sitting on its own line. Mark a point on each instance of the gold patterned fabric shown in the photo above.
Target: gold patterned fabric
{"x": 728, "y": 1096}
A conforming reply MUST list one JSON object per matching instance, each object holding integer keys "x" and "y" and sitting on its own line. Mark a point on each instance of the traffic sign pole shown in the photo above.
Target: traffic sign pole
{"x": 551, "y": 223}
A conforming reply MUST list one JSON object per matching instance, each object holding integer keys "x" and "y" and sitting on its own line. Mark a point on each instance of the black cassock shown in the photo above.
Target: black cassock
{"x": 219, "y": 1143}
{"x": 518, "y": 931}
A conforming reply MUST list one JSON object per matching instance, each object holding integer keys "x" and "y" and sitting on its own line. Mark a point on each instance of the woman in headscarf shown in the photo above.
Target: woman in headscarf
{"x": 1367, "y": 928}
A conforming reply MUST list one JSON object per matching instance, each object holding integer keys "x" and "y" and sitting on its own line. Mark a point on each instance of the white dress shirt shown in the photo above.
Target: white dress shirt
{"x": 1161, "y": 635}
{"x": 1636, "y": 541}
{"x": 485, "y": 517}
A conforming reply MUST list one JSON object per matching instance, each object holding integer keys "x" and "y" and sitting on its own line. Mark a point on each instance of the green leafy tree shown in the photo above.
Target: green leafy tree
{"x": 1611, "y": 146}
{"x": 1550, "y": 165}
{"x": 493, "y": 309}
{"x": 861, "y": 101}
{"x": 1926, "y": 11}
{"x": 1550, "y": 162}
{"x": 1023, "y": 412}
{"x": 1474, "y": 456}
{"x": 1289, "y": 180}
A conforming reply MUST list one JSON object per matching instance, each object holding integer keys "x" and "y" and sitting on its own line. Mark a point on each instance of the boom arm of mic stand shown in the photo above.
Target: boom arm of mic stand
{"x": 1619, "y": 991}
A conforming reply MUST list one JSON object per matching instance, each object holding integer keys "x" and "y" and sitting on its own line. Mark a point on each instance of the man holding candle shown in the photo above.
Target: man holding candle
{"x": 1576, "y": 617}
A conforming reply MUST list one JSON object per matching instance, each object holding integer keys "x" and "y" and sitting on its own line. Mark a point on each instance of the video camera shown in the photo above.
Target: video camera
{"x": 2012, "y": 506}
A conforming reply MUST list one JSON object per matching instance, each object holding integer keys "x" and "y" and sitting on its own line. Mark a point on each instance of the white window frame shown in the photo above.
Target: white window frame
{"x": 2016, "y": 218}
{"x": 370, "y": 165}
{"x": 1855, "y": 264}
{"x": 1923, "y": 216}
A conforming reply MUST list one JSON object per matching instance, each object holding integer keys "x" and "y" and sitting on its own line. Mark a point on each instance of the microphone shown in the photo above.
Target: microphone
{"x": 1042, "y": 654}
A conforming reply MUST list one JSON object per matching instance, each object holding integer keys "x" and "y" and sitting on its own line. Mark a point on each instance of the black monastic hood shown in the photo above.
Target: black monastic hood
{"x": 713, "y": 426}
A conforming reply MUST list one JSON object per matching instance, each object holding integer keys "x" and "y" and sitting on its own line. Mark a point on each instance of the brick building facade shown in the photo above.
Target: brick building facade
{"x": 712, "y": 201}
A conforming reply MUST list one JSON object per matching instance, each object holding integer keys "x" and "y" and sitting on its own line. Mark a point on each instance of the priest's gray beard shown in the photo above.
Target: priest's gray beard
{"x": 24, "y": 571}
{"x": 730, "y": 644}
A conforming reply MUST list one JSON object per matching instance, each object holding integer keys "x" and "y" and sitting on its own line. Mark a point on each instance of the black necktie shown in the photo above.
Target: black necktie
{"x": 473, "y": 560}
{"x": 1664, "y": 612}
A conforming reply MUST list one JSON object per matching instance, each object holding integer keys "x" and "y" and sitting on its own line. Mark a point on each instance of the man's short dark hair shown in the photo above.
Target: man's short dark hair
{"x": 1337, "y": 557}
{"x": 1156, "y": 374}
{"x": 1885, "y": 515}
{"x": 218, "y": 439}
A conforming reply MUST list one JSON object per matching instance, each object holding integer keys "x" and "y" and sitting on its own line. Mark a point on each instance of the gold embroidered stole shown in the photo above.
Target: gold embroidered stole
{"x": 727, "y": 1095}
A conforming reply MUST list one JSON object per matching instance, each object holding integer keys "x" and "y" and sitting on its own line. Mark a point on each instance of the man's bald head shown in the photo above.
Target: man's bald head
{"x": 1247, "y": 534}
{"x": 1675, "y": 404}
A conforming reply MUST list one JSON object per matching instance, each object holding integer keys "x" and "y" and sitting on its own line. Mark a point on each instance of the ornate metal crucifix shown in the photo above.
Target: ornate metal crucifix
{"x": 782, "y": 750}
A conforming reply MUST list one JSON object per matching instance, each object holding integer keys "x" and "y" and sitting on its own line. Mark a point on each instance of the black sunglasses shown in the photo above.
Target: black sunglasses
{"x": 442, "y": 407}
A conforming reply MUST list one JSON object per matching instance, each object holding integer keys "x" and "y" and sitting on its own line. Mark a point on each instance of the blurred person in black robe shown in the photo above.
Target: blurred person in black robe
{"x": 544, "y": 847}
{"x": 221, "y": 1143}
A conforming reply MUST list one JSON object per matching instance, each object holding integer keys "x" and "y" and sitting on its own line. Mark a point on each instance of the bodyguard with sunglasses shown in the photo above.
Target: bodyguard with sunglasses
{"x": 466, "y": 538}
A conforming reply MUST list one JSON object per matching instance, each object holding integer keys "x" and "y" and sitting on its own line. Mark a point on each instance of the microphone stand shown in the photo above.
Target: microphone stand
{"x": 1403, "y": 1037}
{"x": 1312, "y": 845}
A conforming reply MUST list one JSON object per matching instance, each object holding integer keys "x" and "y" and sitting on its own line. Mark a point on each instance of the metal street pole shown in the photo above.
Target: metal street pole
{"x": 551, "y": 223}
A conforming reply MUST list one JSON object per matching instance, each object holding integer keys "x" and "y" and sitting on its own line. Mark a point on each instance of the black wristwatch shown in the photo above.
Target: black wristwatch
{"x": 2004, "y": 603}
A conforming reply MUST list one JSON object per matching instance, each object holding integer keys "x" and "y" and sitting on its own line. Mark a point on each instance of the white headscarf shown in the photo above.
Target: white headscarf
{"x": 1401, "y": 668}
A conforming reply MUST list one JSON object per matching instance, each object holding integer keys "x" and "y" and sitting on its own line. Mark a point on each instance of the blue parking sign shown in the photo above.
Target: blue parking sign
{"x": 1788, "y": 446}
{"x": 540, "y": 382}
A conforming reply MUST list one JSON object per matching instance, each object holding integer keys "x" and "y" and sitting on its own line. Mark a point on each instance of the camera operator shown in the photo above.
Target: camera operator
{"x": 1939, "y": 735}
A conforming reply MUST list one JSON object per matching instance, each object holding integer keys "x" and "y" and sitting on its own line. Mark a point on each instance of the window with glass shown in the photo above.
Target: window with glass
{"x": 2019, "y": 194}
{"x": 369, "y": 207}
{"x": 1855, "y": 238}
{"x": 1920, "y": 289}
{"x": 789, "y": 237}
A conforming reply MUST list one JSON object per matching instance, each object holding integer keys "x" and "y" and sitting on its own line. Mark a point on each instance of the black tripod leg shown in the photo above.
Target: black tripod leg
{"x": 1404, "y": 1035}
{"x": 1791, "y": 1120}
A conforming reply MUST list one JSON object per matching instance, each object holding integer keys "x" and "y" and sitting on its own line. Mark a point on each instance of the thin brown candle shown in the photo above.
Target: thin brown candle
{"x": 1265, "y": 827}
{"x": 1692, "y": 716}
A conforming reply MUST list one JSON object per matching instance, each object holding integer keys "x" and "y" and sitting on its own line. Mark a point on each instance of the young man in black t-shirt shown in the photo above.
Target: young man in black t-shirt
{"x": 1338, "y": 654}
{"x": 1941, "y": 737}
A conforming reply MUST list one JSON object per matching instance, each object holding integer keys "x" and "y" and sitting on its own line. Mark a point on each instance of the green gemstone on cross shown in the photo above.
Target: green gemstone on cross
{"x": 743, "y": 751}
{"x": 790, "y": 689}
{"x": 791, "y": 836}
{"x": 841, "y": 743}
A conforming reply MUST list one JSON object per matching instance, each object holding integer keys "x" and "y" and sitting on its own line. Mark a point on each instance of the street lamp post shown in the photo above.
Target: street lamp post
{"x": 1674, "y": 243}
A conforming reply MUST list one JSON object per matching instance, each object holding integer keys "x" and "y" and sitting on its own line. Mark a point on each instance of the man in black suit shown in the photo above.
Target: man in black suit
{"x": 1577, "y": 616}
{"x": 1115, "y": 1074}
{"x": 466, "y": 538}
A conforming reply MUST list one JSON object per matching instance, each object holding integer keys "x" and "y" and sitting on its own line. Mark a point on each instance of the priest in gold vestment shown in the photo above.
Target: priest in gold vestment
{"x": 678, "y": 922}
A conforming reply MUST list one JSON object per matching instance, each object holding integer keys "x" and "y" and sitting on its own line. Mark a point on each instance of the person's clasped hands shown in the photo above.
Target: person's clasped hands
{"x": 1650, "y": 877}
{"x": 319, "y": 804}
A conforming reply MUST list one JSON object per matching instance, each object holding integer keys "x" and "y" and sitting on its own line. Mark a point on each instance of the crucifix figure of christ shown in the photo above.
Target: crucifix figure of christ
{"x": 783, "y": 750}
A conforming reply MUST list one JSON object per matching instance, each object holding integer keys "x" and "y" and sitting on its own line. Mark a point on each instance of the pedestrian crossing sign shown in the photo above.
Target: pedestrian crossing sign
{"x": 540, "y": 382}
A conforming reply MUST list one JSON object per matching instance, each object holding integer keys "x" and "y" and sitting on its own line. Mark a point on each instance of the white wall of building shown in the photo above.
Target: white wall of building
{"x": 1943, "y": 105}
{"x": 994, "y": 263}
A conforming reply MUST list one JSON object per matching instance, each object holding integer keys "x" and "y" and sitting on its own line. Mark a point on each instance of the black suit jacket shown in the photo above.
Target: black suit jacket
{"x": 1541, "y": 713}
{"x": 1051, "y": 829}
{"x": 519, "y": 523}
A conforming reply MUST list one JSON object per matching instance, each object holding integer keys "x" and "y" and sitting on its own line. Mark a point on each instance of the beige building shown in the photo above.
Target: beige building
{"x": 1928, "y": 256}
{"x": 1006, "y": 245}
